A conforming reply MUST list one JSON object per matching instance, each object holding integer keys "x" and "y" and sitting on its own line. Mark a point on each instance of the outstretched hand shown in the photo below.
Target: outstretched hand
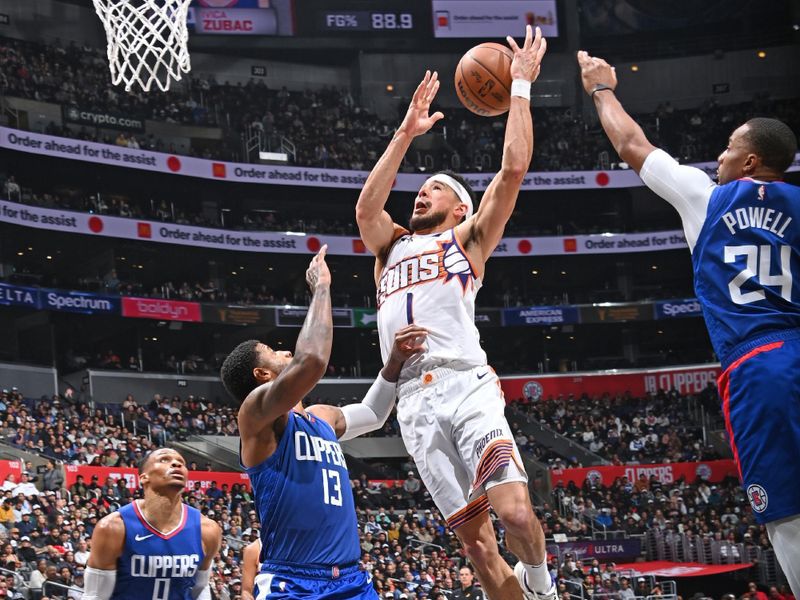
{"x": 318, "y": 272}
{"x": 595, "y": 71}
{"x": 408, "y": 341}
{"x": 527, "y": 62}
{"x": 417, "y": 120}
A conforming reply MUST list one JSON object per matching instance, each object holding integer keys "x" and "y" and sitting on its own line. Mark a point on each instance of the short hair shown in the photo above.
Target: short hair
{"x": 143, "y": 461}
{"x": 772, "y": 141}
{"x": 463, "y": 182}
{"x": 237, "y": 370}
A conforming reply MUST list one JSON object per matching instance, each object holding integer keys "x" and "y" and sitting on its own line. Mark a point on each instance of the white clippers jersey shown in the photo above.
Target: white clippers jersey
{"x": 429, "y": 281}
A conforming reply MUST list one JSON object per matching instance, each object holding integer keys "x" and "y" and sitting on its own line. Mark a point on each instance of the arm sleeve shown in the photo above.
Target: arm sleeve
{"x": 371, "y": 413}
{"x": 98, "y": 584}
{"x": 688, "y": 189}
{"x": 200, "y": 589}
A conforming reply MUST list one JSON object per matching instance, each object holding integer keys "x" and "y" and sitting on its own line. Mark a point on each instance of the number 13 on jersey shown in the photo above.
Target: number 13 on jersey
{"x": 331, "y": 487}
{"x": 758, "y": 266}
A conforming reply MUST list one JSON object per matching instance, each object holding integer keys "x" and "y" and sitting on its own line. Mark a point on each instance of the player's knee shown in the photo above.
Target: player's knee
{"x": 517, "y": 518}
{"x": 477, "y": 550}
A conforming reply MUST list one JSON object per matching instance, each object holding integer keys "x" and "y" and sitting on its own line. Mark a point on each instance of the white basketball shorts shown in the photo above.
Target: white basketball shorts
{"x": 453, "y": 425}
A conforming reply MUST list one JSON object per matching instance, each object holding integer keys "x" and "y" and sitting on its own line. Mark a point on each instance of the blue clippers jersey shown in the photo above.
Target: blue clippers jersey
{"x": 158, "y": 566}
{"x": 746, "y": 262}
{"x": 305, "y": 504}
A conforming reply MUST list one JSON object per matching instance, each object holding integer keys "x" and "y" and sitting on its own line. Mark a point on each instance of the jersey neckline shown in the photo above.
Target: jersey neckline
{"x": 163, "y": 535}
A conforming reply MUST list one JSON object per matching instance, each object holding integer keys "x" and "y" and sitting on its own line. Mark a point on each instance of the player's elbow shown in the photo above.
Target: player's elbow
{"x": 514, "y": 171}
{"x": 634, "y": 151}
{"x": 364, "y": 215}
{"x": 313, "y": 363}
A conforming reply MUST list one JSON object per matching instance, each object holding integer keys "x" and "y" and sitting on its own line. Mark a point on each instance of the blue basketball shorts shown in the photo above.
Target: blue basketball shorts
{"x": 761, "y": 403}
{"x": 290, "y": 583}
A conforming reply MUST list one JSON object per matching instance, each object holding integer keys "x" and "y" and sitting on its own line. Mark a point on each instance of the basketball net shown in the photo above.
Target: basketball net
{"x": 147, "y": 41}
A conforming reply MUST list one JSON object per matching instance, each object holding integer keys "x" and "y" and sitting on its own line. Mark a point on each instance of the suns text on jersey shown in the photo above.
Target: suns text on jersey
{"x": 409, "y": 271}
{"x": 164, "y": 566}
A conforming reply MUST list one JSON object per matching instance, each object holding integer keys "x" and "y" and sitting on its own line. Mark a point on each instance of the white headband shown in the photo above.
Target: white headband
{"x": 459, "y": 189}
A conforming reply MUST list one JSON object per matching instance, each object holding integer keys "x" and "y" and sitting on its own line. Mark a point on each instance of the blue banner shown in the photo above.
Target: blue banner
{"x": 79, "y": 302}
{"x": 676, "y": 309}
{"x": 17, "y": 295}
{"x": 540, "y": 315}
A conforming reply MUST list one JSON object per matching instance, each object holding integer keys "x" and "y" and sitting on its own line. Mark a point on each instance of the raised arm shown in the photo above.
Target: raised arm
{"x": 600, "y": 80}
{"x": 275, "y": 398}
{"x": 108, "y": 541}
{"x": 374, "y": 223}
{"x": 499, "y": 199}
{"x": 371, "y": 413}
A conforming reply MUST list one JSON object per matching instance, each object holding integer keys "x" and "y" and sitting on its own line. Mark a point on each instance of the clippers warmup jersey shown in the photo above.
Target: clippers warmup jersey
{"x": 428, "y": 280}
{"x": 304, "y": 501}
{"x": 155, "y": 565}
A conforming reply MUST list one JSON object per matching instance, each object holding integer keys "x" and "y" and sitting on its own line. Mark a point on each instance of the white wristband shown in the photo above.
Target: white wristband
{"x": 521, "y": 88}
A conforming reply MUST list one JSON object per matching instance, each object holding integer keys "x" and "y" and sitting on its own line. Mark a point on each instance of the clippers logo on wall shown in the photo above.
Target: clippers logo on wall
{"x": 712, "y": 471}
{"x": 242, "y": 17}
{"x": 685, "y": 380}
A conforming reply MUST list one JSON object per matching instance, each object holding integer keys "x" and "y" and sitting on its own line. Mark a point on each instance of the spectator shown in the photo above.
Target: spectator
{"x": 753, "y": 593}
{"x": 53, "y": 478}
{"x": 53, "y": 583}
{"x": 412, "y": 485}
{"x": 38, "y": 576}
{"x": 642, "y": 589}
{"x": 467, "y": 590}
{"x": 81, "y": 553}
{"x": 12, "y": 189}
{"x": 625, "y": 591}
{"x": 78, "y": 488}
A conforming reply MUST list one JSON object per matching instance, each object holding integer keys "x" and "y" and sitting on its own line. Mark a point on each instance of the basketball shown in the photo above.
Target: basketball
{"x": 483, "y": 79}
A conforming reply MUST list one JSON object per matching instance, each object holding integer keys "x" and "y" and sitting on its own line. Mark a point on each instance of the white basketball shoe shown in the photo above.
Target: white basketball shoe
{"x": 528, "y": 593}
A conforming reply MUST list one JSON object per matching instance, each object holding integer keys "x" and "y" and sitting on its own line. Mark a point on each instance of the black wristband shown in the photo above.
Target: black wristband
{"x": 599, "y": 88}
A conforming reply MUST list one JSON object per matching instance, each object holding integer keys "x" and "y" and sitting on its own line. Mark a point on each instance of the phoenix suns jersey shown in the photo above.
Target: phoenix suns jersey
{"x": 428, "y": 280}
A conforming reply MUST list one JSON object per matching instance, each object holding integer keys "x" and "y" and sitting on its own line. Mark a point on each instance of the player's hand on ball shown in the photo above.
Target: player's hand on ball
{"x": 595, "y": 71}
{"x": 417, "y": 120}
{"x": 318, "y": 272}
{"x": 409, "y": 341}
{"x": 527, "y": 61}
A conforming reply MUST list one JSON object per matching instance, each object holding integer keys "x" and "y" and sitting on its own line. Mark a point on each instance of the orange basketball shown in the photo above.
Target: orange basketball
{"x": 483, "y": 79}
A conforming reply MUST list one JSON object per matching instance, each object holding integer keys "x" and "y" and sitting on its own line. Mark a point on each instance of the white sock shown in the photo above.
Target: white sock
{"x": 538, "y": 577}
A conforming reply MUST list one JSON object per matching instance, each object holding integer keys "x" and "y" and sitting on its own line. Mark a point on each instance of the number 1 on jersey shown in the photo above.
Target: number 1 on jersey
{"x": 410, "y": 308}
{"x": 759, "y": 267}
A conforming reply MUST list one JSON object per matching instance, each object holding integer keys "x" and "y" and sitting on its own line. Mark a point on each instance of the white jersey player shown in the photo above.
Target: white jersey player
{"x": 450, "y": 404}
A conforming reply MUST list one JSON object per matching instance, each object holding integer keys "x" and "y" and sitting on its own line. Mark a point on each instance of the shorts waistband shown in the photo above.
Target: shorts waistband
{"x": 294, "y": 570}
{"x": 431, "y": 376}
{"x": 775, "y": 336}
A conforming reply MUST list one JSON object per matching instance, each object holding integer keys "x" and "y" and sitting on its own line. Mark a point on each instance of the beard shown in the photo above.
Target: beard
{"x": 428, "y": 221}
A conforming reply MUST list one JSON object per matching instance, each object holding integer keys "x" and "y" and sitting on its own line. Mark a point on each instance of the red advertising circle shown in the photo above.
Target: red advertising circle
{"x": 174, "y": 164}
{"x": 525, "y": 246}
{"x": 602, "y": 178}
{"x": 95, "y": 224}
{"x": 313, "y": 244}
